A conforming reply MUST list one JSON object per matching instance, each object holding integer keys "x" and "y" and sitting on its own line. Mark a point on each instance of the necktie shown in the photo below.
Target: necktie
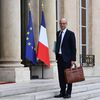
{"x": 58, "y": 42}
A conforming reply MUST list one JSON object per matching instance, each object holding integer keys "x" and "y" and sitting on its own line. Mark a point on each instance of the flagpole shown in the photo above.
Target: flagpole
{"x": 43, "y": 50}
{"x": 42, "y": 62}
{"x": 30, "y": 66}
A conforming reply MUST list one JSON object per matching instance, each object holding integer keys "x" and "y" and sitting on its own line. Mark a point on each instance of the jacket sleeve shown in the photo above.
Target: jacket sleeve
{"x": 73, "y": 46}
{"x": 56, "y": 45}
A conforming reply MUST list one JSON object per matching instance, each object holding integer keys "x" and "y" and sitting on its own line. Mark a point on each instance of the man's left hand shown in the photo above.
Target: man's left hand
{"x": 72, "y": 62}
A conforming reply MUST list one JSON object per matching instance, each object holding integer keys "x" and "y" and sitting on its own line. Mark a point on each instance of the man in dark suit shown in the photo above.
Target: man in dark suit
{"x": 65, "y": 56}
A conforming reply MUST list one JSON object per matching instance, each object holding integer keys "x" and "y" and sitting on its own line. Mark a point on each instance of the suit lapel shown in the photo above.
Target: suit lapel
{"x": 65, "y": 37}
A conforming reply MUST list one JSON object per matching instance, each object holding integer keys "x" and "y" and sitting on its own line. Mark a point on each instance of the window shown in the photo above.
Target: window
{"x": 24, "y": 21}
{"x": 57, "y": 15}
{"x": 83, "y": 29}
{"x": 59, "y": 12}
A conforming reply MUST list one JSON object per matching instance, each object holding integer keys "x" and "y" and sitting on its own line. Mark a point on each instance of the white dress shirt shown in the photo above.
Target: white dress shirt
{"x": 63, "y": 34}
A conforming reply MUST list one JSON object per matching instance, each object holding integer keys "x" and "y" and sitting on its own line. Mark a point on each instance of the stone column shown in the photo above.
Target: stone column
{"x": 71, "y": 12}
{"x": 11, "y": 68}
{"x": 96, "y": 36}
{"x": 50, "y": 16}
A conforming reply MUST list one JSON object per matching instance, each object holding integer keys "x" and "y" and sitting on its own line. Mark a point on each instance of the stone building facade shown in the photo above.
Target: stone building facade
{"x": 83, "y": 18}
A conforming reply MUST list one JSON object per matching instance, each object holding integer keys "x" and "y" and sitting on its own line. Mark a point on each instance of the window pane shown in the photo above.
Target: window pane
{"x": 83, "y": 50}
{"x": 56, "y": 11}
{"x": 83, "y": 17}
{"x": 56, "y": 26}
{"x": 83, "y": 35}
{"x": 83, "y": 3}
{"x": 83, "y": 54}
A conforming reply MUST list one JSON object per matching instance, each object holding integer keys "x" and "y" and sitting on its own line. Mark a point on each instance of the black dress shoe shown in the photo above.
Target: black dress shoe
{"x": 67, "y": 96}
{"x": 59, "y": 96}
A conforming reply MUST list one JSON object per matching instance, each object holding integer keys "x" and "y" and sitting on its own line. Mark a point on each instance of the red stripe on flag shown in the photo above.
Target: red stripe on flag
{"x": 43, "y": 53}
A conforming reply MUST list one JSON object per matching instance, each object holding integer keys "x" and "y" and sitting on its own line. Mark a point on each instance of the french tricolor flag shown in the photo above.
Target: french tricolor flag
{"x": 42, "y": 49}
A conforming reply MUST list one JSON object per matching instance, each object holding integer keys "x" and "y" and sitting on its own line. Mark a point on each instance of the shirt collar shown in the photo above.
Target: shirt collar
{"x": 64, "y": 30}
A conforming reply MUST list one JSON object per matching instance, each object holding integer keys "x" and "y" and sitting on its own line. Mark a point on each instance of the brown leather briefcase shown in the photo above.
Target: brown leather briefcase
{"x": 75, "y": 74}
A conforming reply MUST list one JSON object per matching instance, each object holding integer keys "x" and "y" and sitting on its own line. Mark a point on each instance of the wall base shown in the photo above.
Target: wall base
{"x": 14, "y": 74}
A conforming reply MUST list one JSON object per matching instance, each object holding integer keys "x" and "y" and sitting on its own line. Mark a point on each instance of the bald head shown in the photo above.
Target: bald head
{"x": 63, "y": 23}
{"x": 63, "y": 20}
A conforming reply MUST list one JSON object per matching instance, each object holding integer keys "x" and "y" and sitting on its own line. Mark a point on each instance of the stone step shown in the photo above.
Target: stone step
{"x": 96, "y": 98}
{"x": 16, "y": 89}
{"x": 79, "y": 96}
{"x": 43, "y": 81}
{"x": 85, "y": 91}
{"x": 87, "y": 95}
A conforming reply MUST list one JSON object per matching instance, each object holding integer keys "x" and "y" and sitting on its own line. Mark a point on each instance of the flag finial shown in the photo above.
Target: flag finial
{"x": 42, "y": 3}
{"x": 29, "y": 5}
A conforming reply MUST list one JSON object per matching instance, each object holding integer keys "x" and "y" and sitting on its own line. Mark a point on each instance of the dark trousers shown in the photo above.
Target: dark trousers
{"x": 62, "y": 65}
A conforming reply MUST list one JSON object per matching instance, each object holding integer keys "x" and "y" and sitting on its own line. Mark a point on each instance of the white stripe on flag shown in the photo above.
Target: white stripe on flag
{"x": 43, "y": 36}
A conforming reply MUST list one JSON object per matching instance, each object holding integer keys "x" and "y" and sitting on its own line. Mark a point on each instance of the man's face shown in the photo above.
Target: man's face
{"x": 63, "y": 24}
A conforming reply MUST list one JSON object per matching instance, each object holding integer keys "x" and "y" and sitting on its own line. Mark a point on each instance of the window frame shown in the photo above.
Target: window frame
{"x": 81, "y": 38}
{"x": 57, "y": 15}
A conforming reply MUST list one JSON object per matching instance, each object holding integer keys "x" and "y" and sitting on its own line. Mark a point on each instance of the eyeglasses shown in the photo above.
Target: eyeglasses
{"x": 63, "y": 23}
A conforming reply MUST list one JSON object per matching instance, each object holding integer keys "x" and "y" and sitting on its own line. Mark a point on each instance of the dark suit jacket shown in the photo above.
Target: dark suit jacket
{"x": 68, "y": 46}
